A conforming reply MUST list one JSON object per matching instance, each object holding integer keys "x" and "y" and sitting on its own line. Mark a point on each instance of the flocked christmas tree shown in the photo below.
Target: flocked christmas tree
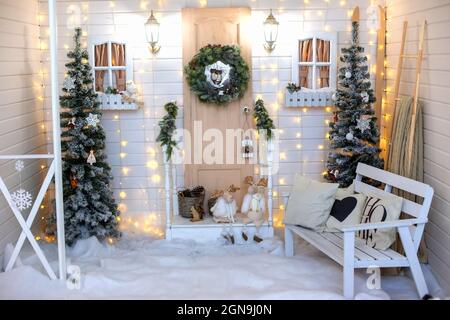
{"x": 89, "y": 205}
{"x": 354, "y": 134}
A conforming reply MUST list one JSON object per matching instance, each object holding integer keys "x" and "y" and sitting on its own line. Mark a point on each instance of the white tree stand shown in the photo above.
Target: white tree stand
{"x": 54, "y": 170}
{"x": 207, "y": 230}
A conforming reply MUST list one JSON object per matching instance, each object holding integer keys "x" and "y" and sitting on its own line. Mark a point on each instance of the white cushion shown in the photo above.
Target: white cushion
{"x": 310, "y": 203}
{"x": 346, "y": 210}
{"x": 346, "y": 192}
{"x": 378, "y": 209}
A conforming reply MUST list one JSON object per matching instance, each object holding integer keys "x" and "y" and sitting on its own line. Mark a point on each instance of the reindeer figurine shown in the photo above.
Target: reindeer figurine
{"x": 254, "y": 204}
{"x": 225, "y": 207}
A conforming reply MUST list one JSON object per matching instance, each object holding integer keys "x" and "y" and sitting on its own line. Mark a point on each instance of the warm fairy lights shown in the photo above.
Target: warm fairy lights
{"x": 152, "y": 164}
{"x": 147, "y": 223}
{"x": 156, "y": 178}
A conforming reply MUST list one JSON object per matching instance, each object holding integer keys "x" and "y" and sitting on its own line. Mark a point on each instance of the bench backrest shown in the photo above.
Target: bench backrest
{"x": 391, "y": 181}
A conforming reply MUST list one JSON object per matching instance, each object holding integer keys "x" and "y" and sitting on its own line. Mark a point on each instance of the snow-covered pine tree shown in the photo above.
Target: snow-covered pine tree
{"x": 89, "y": 206}
{"x": 354, "y": 134}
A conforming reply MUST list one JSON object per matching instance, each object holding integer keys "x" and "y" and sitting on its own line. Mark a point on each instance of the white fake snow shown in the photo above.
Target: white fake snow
{"x": 142, "y": 268}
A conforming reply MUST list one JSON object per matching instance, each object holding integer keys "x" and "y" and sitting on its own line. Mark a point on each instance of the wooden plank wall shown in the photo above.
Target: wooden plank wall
{"x": 21, "y": 109}
{"x": 435, "y": 96}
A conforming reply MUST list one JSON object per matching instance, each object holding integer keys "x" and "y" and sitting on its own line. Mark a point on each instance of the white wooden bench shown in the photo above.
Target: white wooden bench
{"x": 351, "y": 252}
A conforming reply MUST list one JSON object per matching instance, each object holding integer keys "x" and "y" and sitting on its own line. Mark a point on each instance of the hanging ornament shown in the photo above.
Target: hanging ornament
{"x": 348, "y": 74}
{"x": 333, "y": 97}
{"x": 363, "y": 124}
{"x": 71, "y": 123}
{"x": 331, "y": 175}
{"x": 21, "y": 199}
{"x": 19, "y": 165}
{"x": 365, "y": 97}
{"x": 69, "y": 84}
{"x": 247, "y": 143}
{"x": 91, "y": 158}
{"x": 92, "y": 120}
{"x": 335, "y": 117}
{"x": 73, "y": 181}
{"x": 247, "y": 148}
{"x": 349, "y": 136}
{"x": 336, "y": 173}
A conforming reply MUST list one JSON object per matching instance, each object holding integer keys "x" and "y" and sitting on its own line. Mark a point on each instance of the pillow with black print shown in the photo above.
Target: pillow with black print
{"x": 380, "y": 209}
{"x": 346, "y": 210}
{"x": 345, "y": 192}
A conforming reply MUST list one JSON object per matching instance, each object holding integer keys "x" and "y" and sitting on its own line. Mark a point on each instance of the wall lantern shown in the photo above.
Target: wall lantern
{"x": 152, "y": 33}
{"x": 270, "y": 32}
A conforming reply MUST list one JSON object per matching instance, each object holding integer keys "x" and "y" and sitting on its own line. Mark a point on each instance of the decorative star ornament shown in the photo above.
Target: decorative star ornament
{"x": 363, "y": 124}
{"x": 69, "y": 83}
{"x": 92, "y": 120}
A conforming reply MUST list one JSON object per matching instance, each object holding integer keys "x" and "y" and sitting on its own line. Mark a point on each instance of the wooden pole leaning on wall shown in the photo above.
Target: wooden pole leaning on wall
{"x": 355, "y": 14}
{"x": 398, "y": 76}
{"x": 416, "y": 94}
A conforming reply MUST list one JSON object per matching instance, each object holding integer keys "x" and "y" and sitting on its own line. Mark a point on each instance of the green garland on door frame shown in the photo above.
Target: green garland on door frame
{"x": 239, "y": 74}
{"x": 168, "y": 126}
{"x": 263, "y": 120}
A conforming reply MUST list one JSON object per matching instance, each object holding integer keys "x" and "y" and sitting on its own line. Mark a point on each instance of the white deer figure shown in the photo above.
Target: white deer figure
{"x": 225, "y": 207}
{"x": 254, "y": 203}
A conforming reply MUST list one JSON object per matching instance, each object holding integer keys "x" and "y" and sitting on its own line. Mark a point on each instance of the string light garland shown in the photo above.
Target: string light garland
{"x": 152, "y": 165}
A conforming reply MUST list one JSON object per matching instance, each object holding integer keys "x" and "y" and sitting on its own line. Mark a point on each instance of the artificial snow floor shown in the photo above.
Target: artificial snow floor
{"x": 142, "y": 268}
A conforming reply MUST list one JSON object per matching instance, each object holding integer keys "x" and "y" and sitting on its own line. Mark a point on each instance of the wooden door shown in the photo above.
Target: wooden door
{"x": 225, "y": 26}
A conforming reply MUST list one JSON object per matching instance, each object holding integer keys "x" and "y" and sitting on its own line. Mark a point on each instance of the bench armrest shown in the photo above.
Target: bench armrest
{"x": 285, "y": 196}
{"x": 383, "y": 225}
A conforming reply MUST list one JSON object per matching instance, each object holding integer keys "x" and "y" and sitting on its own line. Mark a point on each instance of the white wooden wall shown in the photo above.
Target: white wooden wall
{"x": 435, "y": 95}
{"x": 138, "y": 182}
{"x": 21, "y": 103}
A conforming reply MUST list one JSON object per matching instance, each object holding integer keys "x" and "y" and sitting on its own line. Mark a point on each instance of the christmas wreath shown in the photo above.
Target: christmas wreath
{"x": 218, "y": 74}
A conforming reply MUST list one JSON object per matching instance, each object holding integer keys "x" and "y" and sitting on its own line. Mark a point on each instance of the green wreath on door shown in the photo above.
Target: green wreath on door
{"x": 218, "y": 74}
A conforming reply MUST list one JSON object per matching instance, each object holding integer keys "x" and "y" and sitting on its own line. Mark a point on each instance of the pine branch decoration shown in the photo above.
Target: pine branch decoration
{"x": 263, "y": 120}
{"x": 168, "y": 127}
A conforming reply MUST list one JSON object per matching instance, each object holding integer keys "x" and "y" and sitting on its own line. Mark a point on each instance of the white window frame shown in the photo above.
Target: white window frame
{"x": 110, "y": 68}
{"x": 328, "y": 36}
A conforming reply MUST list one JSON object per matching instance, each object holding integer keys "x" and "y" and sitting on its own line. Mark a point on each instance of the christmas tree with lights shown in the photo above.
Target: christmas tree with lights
{"x": 89, "y": 206}
{"x": 354, "y": 134}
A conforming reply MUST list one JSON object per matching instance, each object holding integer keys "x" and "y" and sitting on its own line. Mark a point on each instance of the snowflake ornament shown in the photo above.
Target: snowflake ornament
{"x": 21, "y": 199}
{"x": 363, "y": 124}
{"x": 19, "y": 165}
{"x": 69, "y": 83}
{"x": 365, "y": 97}
{"x": 92, "y": 120}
